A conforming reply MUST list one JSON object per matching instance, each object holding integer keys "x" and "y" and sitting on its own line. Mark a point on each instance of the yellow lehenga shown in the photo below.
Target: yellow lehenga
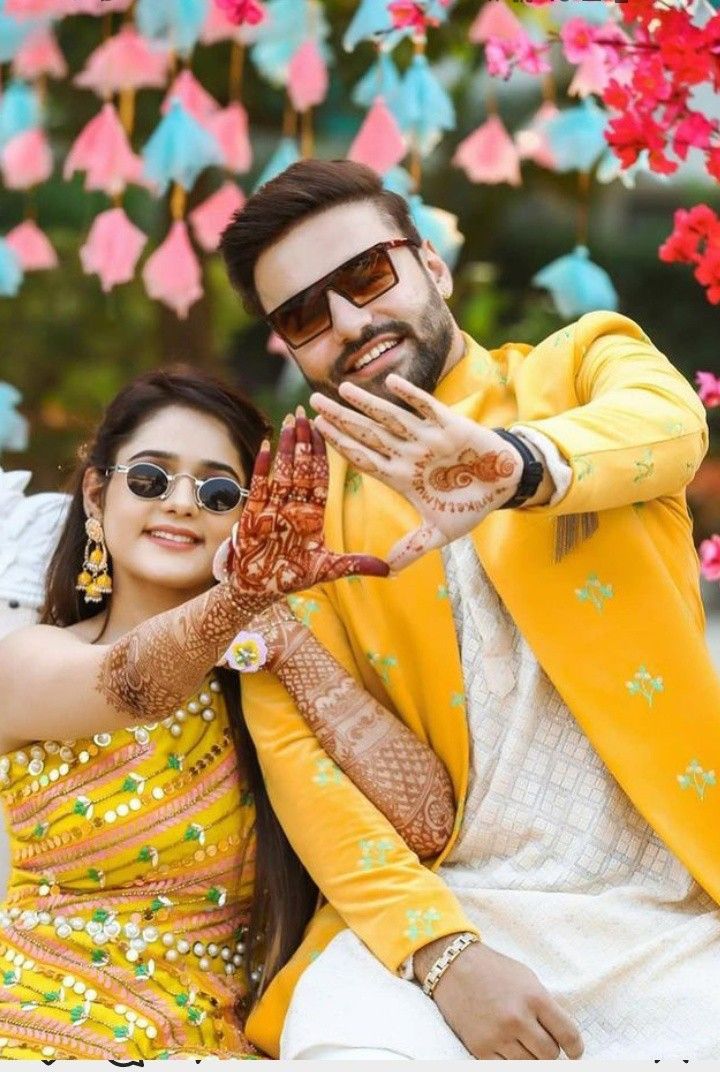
{"x": 132, "y": 863}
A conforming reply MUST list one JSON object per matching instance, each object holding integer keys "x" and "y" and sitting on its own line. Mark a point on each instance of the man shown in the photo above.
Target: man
{"x": 552, "y": 653}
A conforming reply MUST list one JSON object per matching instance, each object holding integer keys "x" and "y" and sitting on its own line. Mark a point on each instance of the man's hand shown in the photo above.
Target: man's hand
{"x": 497, "y": 1007}
{"x": 452, "y": 470}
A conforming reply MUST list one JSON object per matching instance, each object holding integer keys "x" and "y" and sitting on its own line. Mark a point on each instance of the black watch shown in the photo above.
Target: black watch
{"x": 532, "y": 473}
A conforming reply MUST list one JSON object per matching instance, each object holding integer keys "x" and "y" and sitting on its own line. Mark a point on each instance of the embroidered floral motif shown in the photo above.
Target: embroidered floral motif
{"x": 327, "y": 772}
{"x": 583, "y": 466}
{"x": 374, "y": 852}
{"x": 303, "y": 609}
{"x": 696, "y": 778}
{"x": 421, "y": 922}
{"x": 645, "y": 467}
{"x": 562, "y": 336}
{"x": 353, "y": 481}
{"x": 595, "y": 592}
{"x": 443, "y": 592}
{"x": 645, "y": 685}
{"x": 673, "y": 428}
{"x": 457, "y": 699}
{"x": 382, "y": 664}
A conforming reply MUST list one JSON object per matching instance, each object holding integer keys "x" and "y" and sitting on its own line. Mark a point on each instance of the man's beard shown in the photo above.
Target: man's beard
{"x": 430, "y": 343}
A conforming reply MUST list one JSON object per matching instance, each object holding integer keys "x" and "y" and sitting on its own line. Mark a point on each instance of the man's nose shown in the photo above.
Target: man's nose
{"x": 348, "y": 320}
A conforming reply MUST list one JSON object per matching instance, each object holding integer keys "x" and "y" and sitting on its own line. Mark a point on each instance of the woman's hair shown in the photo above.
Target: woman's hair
{"x": 284, "y": 896}
{"x": 301, "y": 191}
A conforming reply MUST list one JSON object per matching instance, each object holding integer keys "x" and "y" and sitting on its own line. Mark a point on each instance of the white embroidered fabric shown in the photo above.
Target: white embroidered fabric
{"x": 557, "y": 869}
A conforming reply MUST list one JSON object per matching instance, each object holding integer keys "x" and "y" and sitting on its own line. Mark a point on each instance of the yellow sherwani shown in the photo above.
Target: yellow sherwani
{"x": 617, "y": 625}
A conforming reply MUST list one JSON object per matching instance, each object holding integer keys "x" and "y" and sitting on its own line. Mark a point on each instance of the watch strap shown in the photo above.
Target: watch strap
{"x": 532, "y": 472}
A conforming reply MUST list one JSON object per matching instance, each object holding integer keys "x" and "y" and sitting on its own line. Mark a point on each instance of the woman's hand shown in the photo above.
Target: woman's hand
{"x": 452, "y": 470}
{"x": 278, "y": 545}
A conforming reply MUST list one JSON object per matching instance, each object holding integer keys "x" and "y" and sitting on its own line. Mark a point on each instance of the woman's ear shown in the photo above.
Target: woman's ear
{"x": 438, "y": 269}
{"x": 93, "y": 486}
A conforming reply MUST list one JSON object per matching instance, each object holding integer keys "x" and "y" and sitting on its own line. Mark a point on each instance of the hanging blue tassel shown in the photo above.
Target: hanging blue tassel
{"x": 289, "y": 24}
{"x": 285, "y": 155}
{"x": 179, "y": 149}
{"x": 177, "y": 22}
{"x": 438, "y": 226}
{"x": 380, "y": 80}
{"x": 424, "y": 109}
{"x": 11, "y": 274}
{"x": 399, "y": 181}
{"x": 13, "y": 426}
{"x": 576, "y": 285}
{"x": 373, "y": 22}
{"x": 19, "y": 110}
{"x": 13, "y": 33}
{"x": 576, "y": 136}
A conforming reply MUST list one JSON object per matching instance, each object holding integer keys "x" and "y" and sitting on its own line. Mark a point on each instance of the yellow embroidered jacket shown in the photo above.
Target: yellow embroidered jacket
{"x": 617, "y": 625}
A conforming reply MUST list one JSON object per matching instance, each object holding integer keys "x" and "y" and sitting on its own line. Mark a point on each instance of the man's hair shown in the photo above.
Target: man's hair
{"x": 301, "y": 191}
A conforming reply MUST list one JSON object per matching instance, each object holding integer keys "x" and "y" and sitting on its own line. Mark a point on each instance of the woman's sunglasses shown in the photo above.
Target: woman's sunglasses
{"x": 148, "y": 481}
{"x": 364, "y": 277}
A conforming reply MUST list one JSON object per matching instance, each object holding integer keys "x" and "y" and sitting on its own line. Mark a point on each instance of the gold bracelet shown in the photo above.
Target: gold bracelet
{"x": 444, "y": 961}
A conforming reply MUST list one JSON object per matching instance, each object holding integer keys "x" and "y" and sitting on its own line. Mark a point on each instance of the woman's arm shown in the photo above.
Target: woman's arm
{"x": 66, "y": 688}
{"x": 392, "y": 767}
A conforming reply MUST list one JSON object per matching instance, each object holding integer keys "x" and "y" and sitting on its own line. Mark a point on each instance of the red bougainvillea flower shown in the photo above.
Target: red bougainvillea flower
{"x": 241, "y": 12}
{"x": 709, "y": 390}
{"x": 710, "y": 558}
{"x": 695, "y": 130}
{"x": 695, "y": 230}
{"x": 708, "y": 273}
{"x": 411, "y": 15}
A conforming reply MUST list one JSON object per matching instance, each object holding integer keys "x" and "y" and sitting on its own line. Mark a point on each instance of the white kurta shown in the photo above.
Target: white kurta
{"x": 557, "y": 869}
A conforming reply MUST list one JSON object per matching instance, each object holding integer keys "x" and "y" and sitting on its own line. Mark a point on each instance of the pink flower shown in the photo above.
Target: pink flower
{"x": 498, "y": 55}
{"x": 31, "y": 247}
{"x": 242, "y": 11}
{"x": 578, "y": 39}
{"x": 708, "y": 389}
{"x": 26, "y": 160}
{"x": 112, "y": 248}
{"x": 708, "y": 273}
{"x": 172, "y": 274}
{"x": 710, "y": 558}
{"x": 103, "y": 152}
{"x": 694, "y": 130}
{"x": 489, "y": 155}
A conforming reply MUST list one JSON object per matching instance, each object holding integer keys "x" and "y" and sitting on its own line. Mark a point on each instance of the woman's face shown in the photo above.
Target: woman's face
{"x": 171, "y": 542}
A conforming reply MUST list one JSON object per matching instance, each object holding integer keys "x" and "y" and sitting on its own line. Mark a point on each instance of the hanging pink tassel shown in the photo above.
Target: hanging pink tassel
{"x": 230, "y": 128}
{"x": 379, "y": 142}
{"x": 26, "y": 160}
{"x": 172, "y": 274}
{"x": 495, "y": 20}
{"x": 489, "y": 155}
{"x": 210, "y": 219}
{"x": 194, "y": 98}
{"x": 591, "y": 76}
{"x": 533, "y": 143}
{"x": 126, "y": 61}
{"x": 112, "y": 248}
{"x": 35, "y": 9}
{"x": 31, "y": 247}
{"x": 103, "y": 152}
{"x": 39, "y": 54}
{"x": 307, "y": 77}
{"x": 94, "y": 7}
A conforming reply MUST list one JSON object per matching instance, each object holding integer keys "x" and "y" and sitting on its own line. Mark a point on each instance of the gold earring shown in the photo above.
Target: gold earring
{"x": 94, "y": 580}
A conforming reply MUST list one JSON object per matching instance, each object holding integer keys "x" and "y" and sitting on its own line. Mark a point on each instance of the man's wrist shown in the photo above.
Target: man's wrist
{"x": 426, "y": 956}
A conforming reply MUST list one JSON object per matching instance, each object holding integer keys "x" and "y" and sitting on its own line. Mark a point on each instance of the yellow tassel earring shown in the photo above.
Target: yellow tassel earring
{"x": 94, "y": 580}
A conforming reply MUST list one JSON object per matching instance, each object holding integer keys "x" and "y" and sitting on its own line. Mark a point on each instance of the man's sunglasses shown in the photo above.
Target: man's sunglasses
{"x": 364, "y": 277}
{"x": 149, "y": 481}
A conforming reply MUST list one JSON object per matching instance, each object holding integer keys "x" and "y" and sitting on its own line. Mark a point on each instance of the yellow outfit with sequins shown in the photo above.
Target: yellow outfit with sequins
{"x": 132, "y": 858}
{"x": 617, "y": 625}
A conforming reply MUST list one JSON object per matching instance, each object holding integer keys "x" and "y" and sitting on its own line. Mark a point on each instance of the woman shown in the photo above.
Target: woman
{"x": 134, "y": 921}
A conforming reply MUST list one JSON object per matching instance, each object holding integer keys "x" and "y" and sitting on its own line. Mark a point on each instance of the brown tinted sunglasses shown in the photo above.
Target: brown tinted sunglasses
{"x": 364, "y": 277}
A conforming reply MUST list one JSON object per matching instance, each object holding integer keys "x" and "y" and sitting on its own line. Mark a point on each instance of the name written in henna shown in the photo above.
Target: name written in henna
{"x": 488, "y": 468}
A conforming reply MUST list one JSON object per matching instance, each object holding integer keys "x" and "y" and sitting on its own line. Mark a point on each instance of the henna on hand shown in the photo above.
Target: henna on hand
{"x": 276, "y": 548}
{"x": 396, "y": 771}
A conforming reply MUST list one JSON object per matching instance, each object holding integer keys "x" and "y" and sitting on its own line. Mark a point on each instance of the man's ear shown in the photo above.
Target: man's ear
{"x": 93, "y": 488}
{"x": 437, "y": 269}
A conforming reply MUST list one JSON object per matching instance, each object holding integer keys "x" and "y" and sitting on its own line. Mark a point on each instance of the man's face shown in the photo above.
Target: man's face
{"x": 410, "y": 322}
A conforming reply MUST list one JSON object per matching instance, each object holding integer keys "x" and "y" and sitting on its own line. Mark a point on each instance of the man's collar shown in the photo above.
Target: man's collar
{"x": 465, "y": 376}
